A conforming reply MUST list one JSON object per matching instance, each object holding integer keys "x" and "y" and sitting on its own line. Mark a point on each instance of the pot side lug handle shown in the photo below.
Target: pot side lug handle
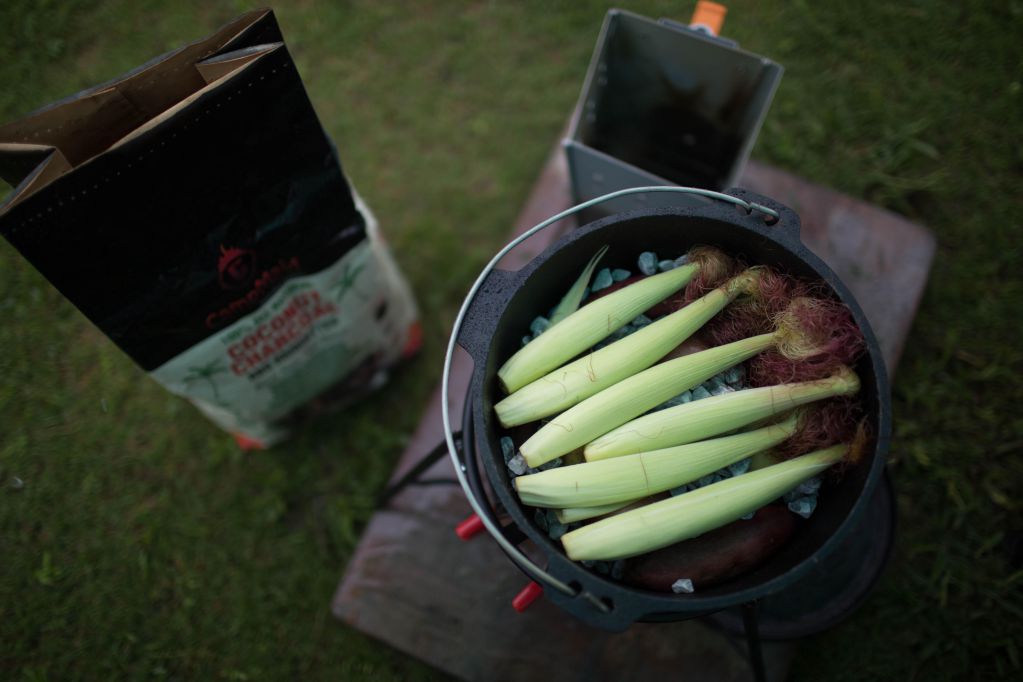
{"x": 785, "y": 228}
{"x": 593, "y": 605}
{"x": 485, "y": 310}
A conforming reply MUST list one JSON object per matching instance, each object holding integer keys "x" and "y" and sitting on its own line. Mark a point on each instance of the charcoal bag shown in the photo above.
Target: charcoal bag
{"x": 197, "y": 213}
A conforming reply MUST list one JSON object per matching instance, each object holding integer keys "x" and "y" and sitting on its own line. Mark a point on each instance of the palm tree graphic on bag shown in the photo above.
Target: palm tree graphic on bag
{"x": 206, "y": 373}
{"x": 347, "y": 281}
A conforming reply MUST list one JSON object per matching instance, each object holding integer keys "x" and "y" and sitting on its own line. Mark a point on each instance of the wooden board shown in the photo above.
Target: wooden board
{"x": 413, "y": 584}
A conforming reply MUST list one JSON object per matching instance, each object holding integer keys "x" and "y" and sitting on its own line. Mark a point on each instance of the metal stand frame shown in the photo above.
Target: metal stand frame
{"x": 750, "y": 619}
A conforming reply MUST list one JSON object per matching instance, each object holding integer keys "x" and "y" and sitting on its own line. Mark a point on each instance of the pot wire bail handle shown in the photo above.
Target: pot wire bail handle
{"x": 527, "y": 565}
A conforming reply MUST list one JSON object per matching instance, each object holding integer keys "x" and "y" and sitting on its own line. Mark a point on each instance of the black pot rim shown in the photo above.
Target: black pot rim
{"x": 629, "y": 604}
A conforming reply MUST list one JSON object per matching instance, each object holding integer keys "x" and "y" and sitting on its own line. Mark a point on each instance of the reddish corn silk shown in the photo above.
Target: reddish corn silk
{"x": 756, "y": 313}
{"x": 715, "y": 269}
{"x": 822, "y": 425}
{"x": 826, "y": 324}
{"x": 707, "y": 280}
{"x": 829, "y": 327}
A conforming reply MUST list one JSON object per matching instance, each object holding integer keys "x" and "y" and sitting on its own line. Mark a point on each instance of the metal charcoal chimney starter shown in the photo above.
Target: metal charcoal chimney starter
{"x": 664, "y": 104}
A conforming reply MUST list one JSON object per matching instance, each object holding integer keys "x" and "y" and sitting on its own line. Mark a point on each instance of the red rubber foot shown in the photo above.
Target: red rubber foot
{"x": 527, "y": 596}
{"x": 247, "y": 444}
{"x": 414, "y": 341}
{"x": 469, "y": 527}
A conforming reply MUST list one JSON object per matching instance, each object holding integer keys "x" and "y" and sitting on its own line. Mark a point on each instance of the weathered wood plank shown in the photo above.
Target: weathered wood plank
{"x": 415, "y": 585}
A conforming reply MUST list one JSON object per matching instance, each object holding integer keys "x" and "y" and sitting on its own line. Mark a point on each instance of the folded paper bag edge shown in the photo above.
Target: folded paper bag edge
{"x": 237, "y": 66}
{"x": 51, "y": 165}
{"x": 52, "y": 125}
{"x": 216, "y": 44}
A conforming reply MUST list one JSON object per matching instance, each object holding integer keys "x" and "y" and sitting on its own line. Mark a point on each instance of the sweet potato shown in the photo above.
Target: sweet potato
{"x": 716, "y": 556}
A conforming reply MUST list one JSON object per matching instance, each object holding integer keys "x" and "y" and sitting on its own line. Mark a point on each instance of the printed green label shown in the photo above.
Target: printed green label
{"x": 310, "y": 334}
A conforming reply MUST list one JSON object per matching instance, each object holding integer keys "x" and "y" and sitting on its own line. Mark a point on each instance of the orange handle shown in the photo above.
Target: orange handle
{"x": 709, "y": 15}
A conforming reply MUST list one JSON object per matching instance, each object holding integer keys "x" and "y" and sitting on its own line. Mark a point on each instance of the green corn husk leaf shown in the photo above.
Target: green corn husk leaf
{"x": 693, "y": 513}
{"x": 571, "y": 300}
{"x": 715, "y": 415}
{"x": 631, "y": 397}
{"x": 762, "y": 460}
{"x": 588, "y": 325}
{"x": 573, "y": 514}
{"x": 566, "y": 386}
{"x": 630, "y": 477}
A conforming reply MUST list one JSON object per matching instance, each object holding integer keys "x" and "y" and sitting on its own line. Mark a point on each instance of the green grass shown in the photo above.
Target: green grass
{"x": 142, "y": 544}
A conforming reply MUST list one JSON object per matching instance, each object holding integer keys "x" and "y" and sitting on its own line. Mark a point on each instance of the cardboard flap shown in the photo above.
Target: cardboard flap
{"x": 159, "y": 85}
{"x": 224, "y": 69}
{"x": 260, "y": 28}
{"x": 92, "y": 121}
{"x": 76, "y": 128}
{"x": 215, "y": 68}
{"x": 29, "y": 167}
{"x": 18, "y": 161}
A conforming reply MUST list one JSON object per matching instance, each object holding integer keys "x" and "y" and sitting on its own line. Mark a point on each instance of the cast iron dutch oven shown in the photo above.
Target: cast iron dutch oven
{"x": 500, "y": 312}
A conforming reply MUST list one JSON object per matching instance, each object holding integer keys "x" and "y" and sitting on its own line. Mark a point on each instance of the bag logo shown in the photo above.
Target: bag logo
{"x": 235, "y": 267}
{"x": 236, "y": 271}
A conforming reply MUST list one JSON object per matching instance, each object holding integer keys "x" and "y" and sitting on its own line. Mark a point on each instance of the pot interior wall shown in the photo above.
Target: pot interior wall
{"x": 544, "y": 281}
